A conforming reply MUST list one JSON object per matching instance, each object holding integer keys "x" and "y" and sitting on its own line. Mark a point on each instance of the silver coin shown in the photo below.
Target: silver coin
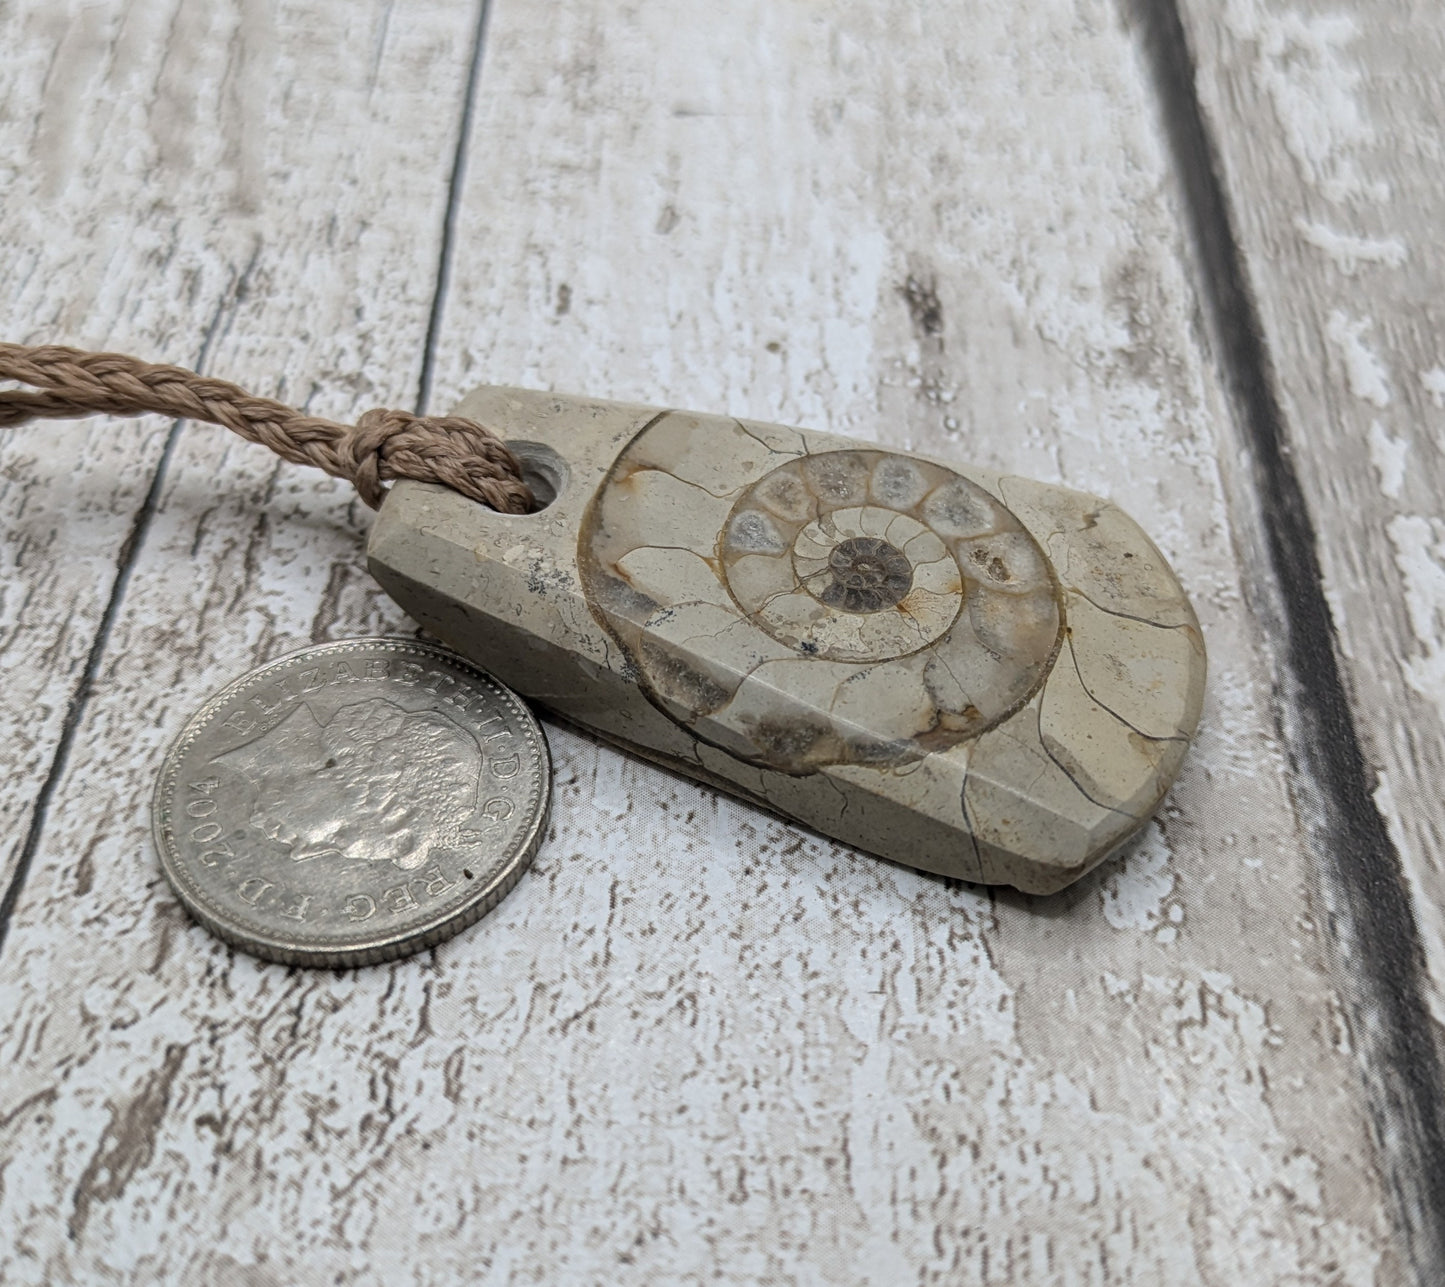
{"x": 352, "y": 803}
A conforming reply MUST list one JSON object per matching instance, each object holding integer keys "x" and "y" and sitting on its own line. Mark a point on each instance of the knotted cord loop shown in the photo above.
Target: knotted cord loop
{"x": 383, "y": 445}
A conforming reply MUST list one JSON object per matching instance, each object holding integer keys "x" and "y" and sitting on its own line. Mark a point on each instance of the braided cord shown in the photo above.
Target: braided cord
{"x": 381, "y": 446}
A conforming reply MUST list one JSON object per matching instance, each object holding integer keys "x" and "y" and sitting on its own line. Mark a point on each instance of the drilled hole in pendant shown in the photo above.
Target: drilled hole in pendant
{"x": 543, "y": 470}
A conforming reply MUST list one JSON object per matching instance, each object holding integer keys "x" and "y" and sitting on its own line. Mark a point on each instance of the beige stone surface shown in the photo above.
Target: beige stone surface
{"x": 869, "y": 642}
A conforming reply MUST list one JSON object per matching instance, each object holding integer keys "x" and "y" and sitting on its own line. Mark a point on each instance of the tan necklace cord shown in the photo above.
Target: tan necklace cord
{"x": 382, "y": 445}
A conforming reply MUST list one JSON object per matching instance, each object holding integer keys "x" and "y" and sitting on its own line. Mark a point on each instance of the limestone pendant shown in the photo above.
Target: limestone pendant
{"x": 980, "y": 676}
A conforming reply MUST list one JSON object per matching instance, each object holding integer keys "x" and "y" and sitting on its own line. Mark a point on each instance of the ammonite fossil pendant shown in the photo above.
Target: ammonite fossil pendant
{"x": 981, "y": 676}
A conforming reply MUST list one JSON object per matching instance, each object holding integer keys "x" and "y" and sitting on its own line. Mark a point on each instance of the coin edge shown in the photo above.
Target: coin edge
{"x": 393, "y": 947}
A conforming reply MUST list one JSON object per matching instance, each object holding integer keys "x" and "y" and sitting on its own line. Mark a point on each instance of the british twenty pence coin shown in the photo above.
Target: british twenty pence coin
{"x": 352, "y": 803}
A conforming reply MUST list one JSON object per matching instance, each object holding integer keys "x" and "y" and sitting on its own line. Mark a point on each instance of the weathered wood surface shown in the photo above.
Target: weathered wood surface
{"x": 1326, "y": 122}
{"x": 96, "y": 247}
{"x": 1338, "y": 204}
{"x": 694, "y": 1044}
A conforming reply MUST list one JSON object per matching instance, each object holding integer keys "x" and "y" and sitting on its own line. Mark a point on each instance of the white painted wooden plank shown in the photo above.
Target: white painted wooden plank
{"x": 122, "y": 207}
{"x": 696, "y": 1044}
{"x": 1326, "y": 124}
{"x": 753, "y": 210}
{"x": 1327, "y": 117}
{"x": 279, "y": 172}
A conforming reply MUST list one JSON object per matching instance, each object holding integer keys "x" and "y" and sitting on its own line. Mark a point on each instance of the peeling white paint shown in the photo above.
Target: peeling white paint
{"x": 1349, "y": 253}
{"x": 1365, "y": 373}
{"x": 1429, "y": 913}
{"x": 1433, "y": 381}
{"x": 1388, "y": 455}
{"x": 1336, "y": 602}
{"x": 1303, "y": 65}
{"x": 1420, "y": 555}
{"x": 1135, "y": 894}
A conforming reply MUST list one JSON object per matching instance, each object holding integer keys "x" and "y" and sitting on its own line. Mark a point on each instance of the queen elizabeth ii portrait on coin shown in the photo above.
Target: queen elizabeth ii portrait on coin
{"x": 374, "y": 783}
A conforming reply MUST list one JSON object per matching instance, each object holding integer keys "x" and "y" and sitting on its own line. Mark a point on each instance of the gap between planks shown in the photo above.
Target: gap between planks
{"x": 455, "y": 185}
{"x": 125, "y": 563}
{"x": 1379, "y": 956}
{"x": 131, "y": 547}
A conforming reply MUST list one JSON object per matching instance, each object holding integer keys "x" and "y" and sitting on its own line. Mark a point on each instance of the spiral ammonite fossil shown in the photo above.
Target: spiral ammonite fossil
{"x": 863, "y": 574}
{"x": 799, "y": 609}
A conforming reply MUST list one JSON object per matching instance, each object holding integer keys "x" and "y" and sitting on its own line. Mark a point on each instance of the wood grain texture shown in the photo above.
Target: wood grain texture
{"x": 1328, "y": 123}
{"x": 695, "y": 1044}
{"x": 102, "y": 150}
